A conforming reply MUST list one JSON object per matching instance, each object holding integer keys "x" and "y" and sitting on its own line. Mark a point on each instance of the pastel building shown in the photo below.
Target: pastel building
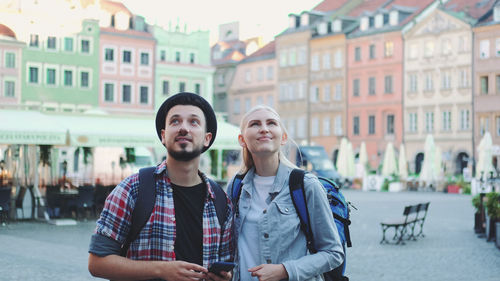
{"x": 254, "y": 83}
{"x": 10, "y": 67}
{"x": 486, "y": 77}
{"x": 182, "y": 63}
{"x": 126, "y": 55}
{"x": 375, "y": 73}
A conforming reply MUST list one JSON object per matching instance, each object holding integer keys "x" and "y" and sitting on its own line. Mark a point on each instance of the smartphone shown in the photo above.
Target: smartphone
{"x": 219, "y": 266}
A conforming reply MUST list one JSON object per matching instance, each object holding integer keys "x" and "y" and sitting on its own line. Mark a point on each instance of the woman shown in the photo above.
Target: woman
{"x": 270, "y": 243}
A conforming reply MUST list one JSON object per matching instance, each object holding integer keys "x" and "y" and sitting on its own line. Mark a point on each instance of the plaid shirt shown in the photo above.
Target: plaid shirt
{"x": 156, "y": 240}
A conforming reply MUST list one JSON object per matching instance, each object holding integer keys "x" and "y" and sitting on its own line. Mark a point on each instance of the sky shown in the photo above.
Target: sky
{"x": 267, "y": 18}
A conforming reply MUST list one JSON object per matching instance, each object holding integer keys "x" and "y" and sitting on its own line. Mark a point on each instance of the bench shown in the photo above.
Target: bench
{"x": 413, "y": 215}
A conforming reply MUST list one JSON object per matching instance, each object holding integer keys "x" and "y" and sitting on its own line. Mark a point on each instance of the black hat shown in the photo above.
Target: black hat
{"x": 186, "y": 98}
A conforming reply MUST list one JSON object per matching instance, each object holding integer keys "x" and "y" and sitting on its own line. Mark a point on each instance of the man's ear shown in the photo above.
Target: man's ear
{"x": 163, "y": 136}
{"x": 208, "y": 138}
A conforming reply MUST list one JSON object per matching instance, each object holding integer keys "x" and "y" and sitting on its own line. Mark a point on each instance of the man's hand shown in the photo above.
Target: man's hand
{"x": 224, "y": 276}
{"x": 269, "y": 272}
{"x": 182, "y": 271}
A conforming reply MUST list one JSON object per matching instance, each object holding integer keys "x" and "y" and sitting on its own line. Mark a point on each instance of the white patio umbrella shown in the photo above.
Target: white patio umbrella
{"x": 389, "y": 166}
{"x": 428, "y": 171}
{"x": 351, "y": 169}
{"x": 342, "y": 162}
{"x": 362, "y": 161}
{"x": 484, "y": 165}
{"x": 438, "y": 160}
{"x": 402, "y": 167}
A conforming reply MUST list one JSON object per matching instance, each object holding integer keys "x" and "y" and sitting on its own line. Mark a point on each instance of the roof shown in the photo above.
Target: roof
{"x": 6, "y": 31}
{"x": 330, "y": 5}
{"x": 266, "y": 52}
{"x": 472, "y": 8}
{"x": 412, "y": 6}
{"x": 367, "y": 6}
{"x": 114, "y": 7}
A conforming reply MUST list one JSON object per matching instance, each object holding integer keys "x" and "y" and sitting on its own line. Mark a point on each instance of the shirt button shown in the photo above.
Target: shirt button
{"x": 266, "y": 235}
{"x": 170, "y": 190}
{"x": 286, "y": 210}
{"x": 268, "y": 261}
{"x": 265, "y": 211}
{"x": 173, "y": 219}
{"x": 172, "y": 248}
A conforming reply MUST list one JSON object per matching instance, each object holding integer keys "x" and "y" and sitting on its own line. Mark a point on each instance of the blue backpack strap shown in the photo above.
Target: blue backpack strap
{"x": 143, "y": 206}
{"x": 298, "y": 194}
{"x": 236, "y": 191}
{"x": 220, "y": 202}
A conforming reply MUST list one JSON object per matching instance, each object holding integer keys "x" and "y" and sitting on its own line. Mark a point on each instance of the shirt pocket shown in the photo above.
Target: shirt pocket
{"x": 288, "y": 222}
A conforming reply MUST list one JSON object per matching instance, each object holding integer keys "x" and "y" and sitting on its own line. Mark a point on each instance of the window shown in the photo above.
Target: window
{"x": 413, "y": 51}
{"x": 34, "y": 40}
{"x": 260, "y": 74}
{"x": 292, "y": 57}
{"x": 429, "y": 49}
{"x": 177, "y": 56}
{"x": 51, "y": 76}
{"x": 327, "y": 61}
{"x": 388, "y": 84}
{"x": 326, "y": 93}
{"x": 10, "y": 89}
{"x": 33, "y": 75}
{"x": 109, "y": 54}
{"x": 144, "y": 95}
{"x": 51, "y": 43}
{"x": 338, "y": 125}
{"x": 302, "y": 57}
{"x": 283, "y": 56}
{"x": 446, "y": 47}
{"x": 85, "y": 46}
{"x": 464, "y": 78}
{"x": 429, "y": 82}
{"x": 464, "y": 119}
{"x": 389, "y": 49}
{"x": 371, "y": 86}
{"x": 355, "y": 125}
{"x": 248, "y": 104}
{"x": 338, "y": 92}
{"x": 314, "y": 94}
{"x": 163, "y": 55}
{"x": 270, "y": 100}
{"x": 191, "y": 57}
{"x": 338, "y": 59}
{"x": 357, "y": 54}
{"x": 413, "y": 122}
{"x": 10, "y": 60}
{"x": 315, "y": 127}
{"x": 236, "y": 106}
{"x": 413, "y": 83}
{"x": 371, "y": 124}
{"x": 484, "y": 49}
{"x": 144, "y": 59}
{"x": 270, "y": 73}
{"x": 497, "y": 47}
{"x": 68, "y": 78}
{"x": 446, "y": 121}
{"x": 126, "y": 93}
{"x": 498, "y": 125}
{"x": 109, "y": 92}
{"x": 182, "y": 86}
{"x": 248, "y": 76}
{"x": 315, "y": 62}
{"x": 220, "y": 79}
{"x": 390, "y": 124}
{"x": 429, "y": 121}
{"x": 165, "y": 87}
{"x": 301, "y": 127}
{"x": 355, "y": 87}
{"x": 484, "y": 125}
{"x": 445, "y": 80}
{"x": 498, "y": 83}
{"x": 84, "y": 79}
{"x": 127, "y": 57}
{"x": 372, "y": 51}
{"x": 260, "y": 100}
{"x": 68, "y": 44}
{"x": 484, "y": 85}
{"x": 326, "y": 126}
{"x": 197, "y": 88}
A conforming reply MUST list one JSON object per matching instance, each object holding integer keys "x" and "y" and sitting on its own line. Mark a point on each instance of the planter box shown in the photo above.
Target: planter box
{"x": 453, "y": 189}
{"x": 498, "y": 234}
{"x": 490, "y": 229}
{"x": 478, "y": 224}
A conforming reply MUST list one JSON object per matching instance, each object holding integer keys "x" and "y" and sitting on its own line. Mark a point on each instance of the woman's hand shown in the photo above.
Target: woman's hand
{"x": 269, "y": 272}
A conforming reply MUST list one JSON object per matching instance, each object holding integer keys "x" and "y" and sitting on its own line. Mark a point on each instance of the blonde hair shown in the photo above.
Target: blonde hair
{"x": 248, "y": 162}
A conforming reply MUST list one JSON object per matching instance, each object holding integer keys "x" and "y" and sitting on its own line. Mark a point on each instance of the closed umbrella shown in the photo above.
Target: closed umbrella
{"x": 438, "y": 157}
{"x": 428, "y": 171}
{"x": 351, "y": 169}
{"x": 342, "y": 162}
{"x": 362, "y": 161}
{"x": 484, "y": 164}
{"x": 389, "y": 164}
{"x": 403, "y": 169}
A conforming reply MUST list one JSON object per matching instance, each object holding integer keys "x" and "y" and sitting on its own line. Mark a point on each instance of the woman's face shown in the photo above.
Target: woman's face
{"x": 262, "y": 133}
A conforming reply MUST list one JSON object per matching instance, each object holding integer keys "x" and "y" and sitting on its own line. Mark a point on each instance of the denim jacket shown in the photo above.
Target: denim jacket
{"x": 281, "y": 239}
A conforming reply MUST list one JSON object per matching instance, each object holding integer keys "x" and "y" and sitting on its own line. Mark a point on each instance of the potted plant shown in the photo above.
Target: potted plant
{"x": 478, "y": 223}
{"x": 452, "y": 185}
{"x": 493, "y": 214}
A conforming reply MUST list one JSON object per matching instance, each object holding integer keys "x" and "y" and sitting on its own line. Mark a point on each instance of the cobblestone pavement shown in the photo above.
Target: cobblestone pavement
{"x": 450, "y": 250}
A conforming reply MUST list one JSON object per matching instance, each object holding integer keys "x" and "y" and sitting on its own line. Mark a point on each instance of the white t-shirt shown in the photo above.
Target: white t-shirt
{"x": 248, "y": 239}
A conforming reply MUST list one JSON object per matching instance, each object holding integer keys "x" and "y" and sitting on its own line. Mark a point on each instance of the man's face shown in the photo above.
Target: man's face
{"x": 185, "y": 133}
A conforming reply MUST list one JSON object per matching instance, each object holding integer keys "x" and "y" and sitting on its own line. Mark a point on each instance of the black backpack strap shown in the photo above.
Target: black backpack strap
{"x": 236, "y": 192}
{"x": 298, "y": 195}
{"x": 143, "y": 206}
{"x": 220, "y": 202}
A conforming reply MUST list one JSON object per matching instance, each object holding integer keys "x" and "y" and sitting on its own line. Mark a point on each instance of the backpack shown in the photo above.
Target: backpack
{"x": 338, "y": 204}
{"x": 146, "y": 202}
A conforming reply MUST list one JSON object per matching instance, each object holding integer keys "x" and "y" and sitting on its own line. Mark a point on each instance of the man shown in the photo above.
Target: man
{"x": 183, "y": 236}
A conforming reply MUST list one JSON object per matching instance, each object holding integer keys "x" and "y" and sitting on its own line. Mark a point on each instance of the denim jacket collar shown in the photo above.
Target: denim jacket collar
{"x": 280, "y": 181}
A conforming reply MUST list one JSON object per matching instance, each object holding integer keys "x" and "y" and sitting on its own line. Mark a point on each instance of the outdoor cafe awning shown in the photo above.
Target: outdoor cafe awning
{"x": 30, "y": 127}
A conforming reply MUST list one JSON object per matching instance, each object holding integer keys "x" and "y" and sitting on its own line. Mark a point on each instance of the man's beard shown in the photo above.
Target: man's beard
{"x": 184, "y": 155}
